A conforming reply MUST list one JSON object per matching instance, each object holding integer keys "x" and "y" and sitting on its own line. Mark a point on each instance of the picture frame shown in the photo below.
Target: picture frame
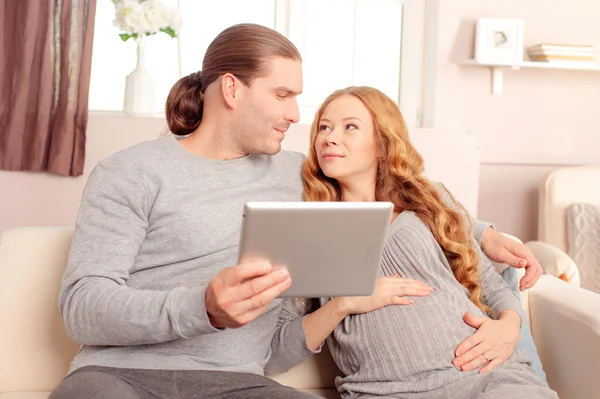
{"x": 499, "y": 41}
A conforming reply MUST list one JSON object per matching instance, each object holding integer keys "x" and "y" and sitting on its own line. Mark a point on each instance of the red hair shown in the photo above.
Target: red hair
{"x": 400, "y": 180}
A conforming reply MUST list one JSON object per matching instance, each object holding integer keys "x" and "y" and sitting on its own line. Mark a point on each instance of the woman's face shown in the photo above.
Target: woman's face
{"x": 345, "y": 143}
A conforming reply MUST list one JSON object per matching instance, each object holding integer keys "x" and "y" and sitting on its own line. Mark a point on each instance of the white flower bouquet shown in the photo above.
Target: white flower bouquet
{"x": 138, "y": 18}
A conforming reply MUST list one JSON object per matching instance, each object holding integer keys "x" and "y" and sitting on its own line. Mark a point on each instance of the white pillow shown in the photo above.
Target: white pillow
{"x": 583, "y": 236}
{"x": 555, "y": 262}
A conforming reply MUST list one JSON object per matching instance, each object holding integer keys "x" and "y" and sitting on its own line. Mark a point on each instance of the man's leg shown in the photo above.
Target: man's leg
{"x": 94, "y": 383}
{"x": 526, "y": 341}
{"x": 229, "y": 385}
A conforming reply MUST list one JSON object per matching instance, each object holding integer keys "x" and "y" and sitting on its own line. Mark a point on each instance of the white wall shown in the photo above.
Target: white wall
{"x": 544, "y": 119}
{"x": 41, "y": 199}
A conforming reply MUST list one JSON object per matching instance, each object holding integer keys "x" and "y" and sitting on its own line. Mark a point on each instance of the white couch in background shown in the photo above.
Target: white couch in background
{"x": 578, "y": 318}
{"x": 564, "y": 187}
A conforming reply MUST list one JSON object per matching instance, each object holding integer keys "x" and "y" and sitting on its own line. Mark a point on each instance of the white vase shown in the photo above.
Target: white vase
{"x": 139, "y": 87}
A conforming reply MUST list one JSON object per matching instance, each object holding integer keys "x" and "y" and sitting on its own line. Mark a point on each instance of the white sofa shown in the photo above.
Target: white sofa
{"x": 35, "y": 351}
{"x": 566, "y": 186}
{"x": 579, "y": 323}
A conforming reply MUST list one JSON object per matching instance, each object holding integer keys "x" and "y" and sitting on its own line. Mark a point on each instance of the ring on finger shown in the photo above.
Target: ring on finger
{"x": 485, "y": 357}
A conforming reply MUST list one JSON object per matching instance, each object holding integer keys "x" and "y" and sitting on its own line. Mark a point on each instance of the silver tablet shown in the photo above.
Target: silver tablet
{"x": 330, "y": 248}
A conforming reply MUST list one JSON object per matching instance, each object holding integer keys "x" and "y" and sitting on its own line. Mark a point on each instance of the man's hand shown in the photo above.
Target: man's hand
{"x": 238, "y": 295}
{"x": 502, "y": 249}
{"x": 492, "y": 344}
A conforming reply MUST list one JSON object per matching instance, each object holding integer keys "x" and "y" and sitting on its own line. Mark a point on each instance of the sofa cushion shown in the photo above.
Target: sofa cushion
{"x": 35, "y": 351}
{"x": 583, "y": 236}
{"x": 24, "y": 395}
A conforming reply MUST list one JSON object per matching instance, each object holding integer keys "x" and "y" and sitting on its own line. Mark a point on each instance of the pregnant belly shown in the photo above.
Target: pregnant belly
{"x": 404, "y": 341}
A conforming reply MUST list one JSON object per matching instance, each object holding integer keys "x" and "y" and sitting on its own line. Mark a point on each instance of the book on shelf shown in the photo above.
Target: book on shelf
{"x": 562, "y": 47}
{"x": 563, "y": 53}
{"x": 546, "y": 57}
{"x": 571, "y": 53}
{"x": 569, "y": 63}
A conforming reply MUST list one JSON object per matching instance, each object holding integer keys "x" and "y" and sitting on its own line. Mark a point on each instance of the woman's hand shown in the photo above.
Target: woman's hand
{"x": 493, "y": 343}
{"x": 390, "y": 290}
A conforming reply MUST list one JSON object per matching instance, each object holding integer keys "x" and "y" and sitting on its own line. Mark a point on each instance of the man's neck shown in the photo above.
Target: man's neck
{"x": 210, "y": 140}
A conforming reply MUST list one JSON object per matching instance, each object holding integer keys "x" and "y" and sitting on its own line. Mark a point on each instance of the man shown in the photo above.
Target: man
{"x": 150, "y": 289}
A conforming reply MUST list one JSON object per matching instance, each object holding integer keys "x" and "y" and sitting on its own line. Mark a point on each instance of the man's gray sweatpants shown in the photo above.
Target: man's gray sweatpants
{"x": 94, "y": 382}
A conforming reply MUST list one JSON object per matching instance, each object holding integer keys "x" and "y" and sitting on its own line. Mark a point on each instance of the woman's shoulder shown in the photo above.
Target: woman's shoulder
{"x": 409, "y": 227}
{"x": 407, "y": 221}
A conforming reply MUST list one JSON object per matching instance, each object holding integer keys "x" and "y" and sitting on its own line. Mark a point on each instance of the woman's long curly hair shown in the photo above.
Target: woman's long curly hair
{"x": 400, "y": 180}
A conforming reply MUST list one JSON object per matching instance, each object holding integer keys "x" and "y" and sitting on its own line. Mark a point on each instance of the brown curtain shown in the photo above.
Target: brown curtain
{"x": 45, "y": 63}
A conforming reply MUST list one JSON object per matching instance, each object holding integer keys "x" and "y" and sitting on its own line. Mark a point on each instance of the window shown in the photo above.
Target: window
{"x": 204, "y": 20}
{"x": 346, "y": 43}
{"x": 342, "y": 42}
{"x": 166, "y": 59}
{"x": 113, "y": 59}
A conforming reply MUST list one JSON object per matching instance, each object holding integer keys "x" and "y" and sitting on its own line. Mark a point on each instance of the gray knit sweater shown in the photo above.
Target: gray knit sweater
{"x": 400, "y": 349}
{"x": 155, "y": 225}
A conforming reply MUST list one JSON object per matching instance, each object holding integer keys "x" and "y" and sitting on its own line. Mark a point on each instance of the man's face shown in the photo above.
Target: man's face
{"x": 269, "y": 106}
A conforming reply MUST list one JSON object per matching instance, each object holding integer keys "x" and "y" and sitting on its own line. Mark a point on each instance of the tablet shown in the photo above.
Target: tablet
{"x": 330, "y": 248}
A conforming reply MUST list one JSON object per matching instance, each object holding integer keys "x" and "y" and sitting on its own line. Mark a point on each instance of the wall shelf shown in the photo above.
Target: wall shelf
{"x": 498, "y": 69}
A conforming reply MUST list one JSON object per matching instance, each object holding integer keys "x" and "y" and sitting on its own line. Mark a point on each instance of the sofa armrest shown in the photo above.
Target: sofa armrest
{"x": 555, "y": 262}
{"x": 565, "y": 323}
{"x": 35, "y": 350}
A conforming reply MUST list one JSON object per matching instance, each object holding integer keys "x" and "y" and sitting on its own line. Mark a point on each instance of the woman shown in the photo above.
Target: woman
{"x": 360, "y": 151}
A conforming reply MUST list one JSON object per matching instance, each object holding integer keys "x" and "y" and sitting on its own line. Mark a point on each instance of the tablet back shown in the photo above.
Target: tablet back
{"x": 330, "y": 248}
